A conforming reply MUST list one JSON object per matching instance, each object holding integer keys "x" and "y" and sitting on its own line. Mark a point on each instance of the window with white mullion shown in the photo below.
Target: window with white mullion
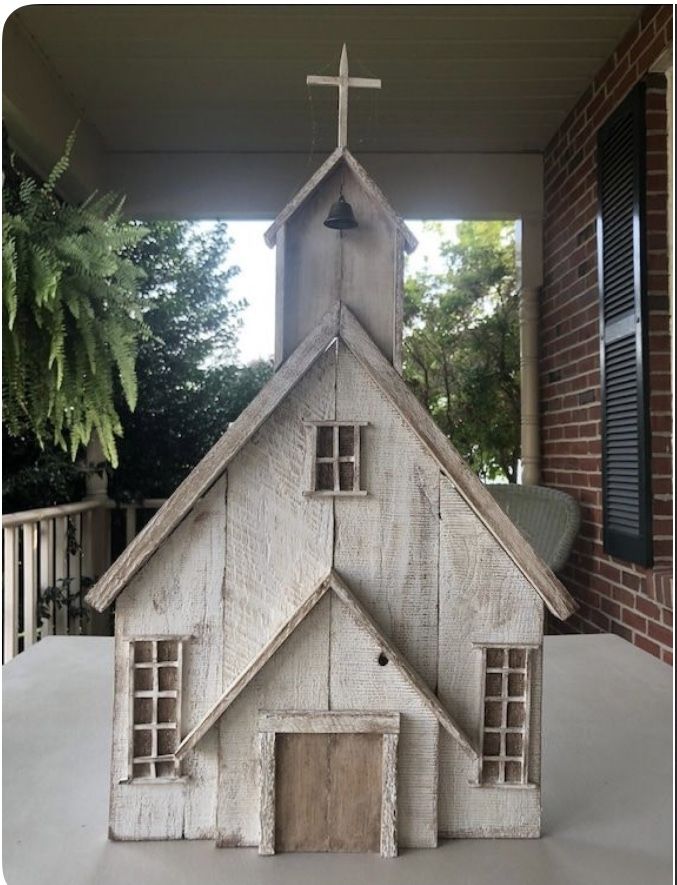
{"x": 335, "y": 458}
{"x": 155, "y": 691}
{"x": 505, "y": 703}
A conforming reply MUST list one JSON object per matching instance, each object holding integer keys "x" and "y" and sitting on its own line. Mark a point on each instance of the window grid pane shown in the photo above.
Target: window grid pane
{"x": 505, "y": 712}
{"x": 337, "y": 458}
{"x": 155, "y": 676}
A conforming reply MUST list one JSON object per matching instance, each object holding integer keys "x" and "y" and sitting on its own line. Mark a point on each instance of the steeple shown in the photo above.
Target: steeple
{"x": 317, "y": 266}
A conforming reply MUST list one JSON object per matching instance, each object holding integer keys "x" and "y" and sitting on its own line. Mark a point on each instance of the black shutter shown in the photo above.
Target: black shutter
{"x": 621, "y": 252}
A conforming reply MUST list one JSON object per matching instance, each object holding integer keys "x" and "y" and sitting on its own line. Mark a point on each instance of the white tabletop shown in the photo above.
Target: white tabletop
{"x": 607, "y": 792}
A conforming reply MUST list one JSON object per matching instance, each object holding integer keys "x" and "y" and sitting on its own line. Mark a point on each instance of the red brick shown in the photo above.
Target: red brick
{"x": 647, "y": 645}
{"x": 632, "y": 619}
{"x": 620, "y": 630}
{"x": 667, "y": 657}
{"x": 648, "y": 608}
{"x": 660, "y": 634}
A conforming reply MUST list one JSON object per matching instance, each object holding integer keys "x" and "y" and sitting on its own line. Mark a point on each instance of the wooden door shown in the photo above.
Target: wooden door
{"x": 328, "y": 792}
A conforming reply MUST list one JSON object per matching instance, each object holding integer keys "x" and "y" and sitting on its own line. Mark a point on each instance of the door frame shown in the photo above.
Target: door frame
{"x": 275, "y": 722}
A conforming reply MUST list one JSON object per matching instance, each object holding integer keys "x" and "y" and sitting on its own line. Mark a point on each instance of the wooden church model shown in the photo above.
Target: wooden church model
{"x": 329, "y": 638}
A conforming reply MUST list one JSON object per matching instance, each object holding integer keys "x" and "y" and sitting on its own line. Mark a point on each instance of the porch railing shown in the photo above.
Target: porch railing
{"x": 50, "y": 558}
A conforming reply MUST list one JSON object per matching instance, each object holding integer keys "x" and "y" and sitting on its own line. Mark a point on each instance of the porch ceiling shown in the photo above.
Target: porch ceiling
{"x": 231, "y": 79}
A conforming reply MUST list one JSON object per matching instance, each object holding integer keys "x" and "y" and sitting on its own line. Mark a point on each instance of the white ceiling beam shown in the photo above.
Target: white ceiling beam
{"x": 256, "y": 185}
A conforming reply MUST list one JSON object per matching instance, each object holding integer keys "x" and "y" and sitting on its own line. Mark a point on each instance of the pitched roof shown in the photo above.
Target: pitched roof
{"x": 338, "y": 156}
{"x": 334, "y": 583}
{"x": 337, "y": 322}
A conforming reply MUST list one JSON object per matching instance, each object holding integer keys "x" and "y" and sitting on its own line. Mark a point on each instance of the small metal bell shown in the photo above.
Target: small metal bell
{"x": 341, "y": 215}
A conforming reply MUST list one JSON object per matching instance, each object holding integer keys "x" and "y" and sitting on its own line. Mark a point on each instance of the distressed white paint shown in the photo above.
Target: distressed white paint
{"x": 295, "y": 678}
{"x": 358, "y": 680}
{"x": 386, "y": 546}
{"x": 484, "y": 598}
{"x": 178, "y": 591}
{"x": 279, "y": 542}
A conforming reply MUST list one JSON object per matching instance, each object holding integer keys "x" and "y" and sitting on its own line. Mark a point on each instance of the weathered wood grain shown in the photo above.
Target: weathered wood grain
{"x": 355, "y": 792}
{"x": 481, "y": 502}
{"x": 331, "y": 722}
{"x": 301, "y": 792}
{"x": 316, "y": 180}
{"x": 357, "y": 678}
{"x": 213, "y": 465}
{"x": 485, "y": 599}
{"x": 386, "y": 547}
{"x": 279, "y": 542}
{"x": 389, "y": 796}
{"x": 295, "y": 678}
{"x": 301, "y": 196}
{"x": 428, "y": 698}
{"x": 243, "y": 680}
{"x": 179, "y": 593}
{"x": 267, "y": 775}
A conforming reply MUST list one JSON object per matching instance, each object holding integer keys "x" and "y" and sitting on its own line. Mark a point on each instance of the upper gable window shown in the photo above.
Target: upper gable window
{"x": 505, "y": 728}
{"x": 335, "y": 468}
{"x": 155, "y": 716}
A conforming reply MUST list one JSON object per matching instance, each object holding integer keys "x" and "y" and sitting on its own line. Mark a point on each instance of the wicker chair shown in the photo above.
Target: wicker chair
{"x": 548, "y": 519}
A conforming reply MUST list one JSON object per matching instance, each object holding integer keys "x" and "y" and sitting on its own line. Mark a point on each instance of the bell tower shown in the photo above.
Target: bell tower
{"x": 338, "y": 239}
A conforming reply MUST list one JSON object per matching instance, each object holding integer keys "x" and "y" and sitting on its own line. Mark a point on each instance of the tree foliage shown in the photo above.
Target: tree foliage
{"x": 70, "y": 313}
{"x": 461, "y": 347}
{"x": 190, "y": 387}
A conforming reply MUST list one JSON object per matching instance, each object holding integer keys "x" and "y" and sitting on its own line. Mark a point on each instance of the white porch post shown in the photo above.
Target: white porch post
{"x": 530, "y": 261}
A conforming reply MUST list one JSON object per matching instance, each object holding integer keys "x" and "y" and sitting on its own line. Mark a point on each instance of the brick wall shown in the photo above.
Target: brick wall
{"x": 614, "y": 596}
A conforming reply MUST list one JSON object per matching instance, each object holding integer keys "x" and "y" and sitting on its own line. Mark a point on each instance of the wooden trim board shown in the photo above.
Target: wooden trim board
{"x": 340, "y": 155}
{"x": 478, "y": 498}
{"x": 214, "y": 463}
{"x": 337, "y": 322}
{"x": 329, "y": 722}
{"x": 340, "y": 722}
{"x": 334, "y": 582}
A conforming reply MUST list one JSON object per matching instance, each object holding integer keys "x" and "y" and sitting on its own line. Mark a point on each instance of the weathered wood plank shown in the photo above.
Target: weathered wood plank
{"x": 213, "y": 465}
{"x": 386, "y": 546}
{"x": 332, "y": 722}
{"x": 389, "y": 796}
{"x": 296, "y": 678}
{"x": 357, "y": 678}
{"x": 179, "y": 593}
{"x": 392, "y": 655}
{"x": 279, "y": 541}
{"x": 243, "y": 680}
{"x": 267, "y": 777}
{"x": 478, "y": 498}
{"x": 299, "y": 198}
{"x": 301, "y": 792}
{"x": 316, "y": 180}
{"x": 355, "y": 792}
{"x": 485, "y": 599}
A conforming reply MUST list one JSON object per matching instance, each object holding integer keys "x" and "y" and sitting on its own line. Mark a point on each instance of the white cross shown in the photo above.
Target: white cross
{"x": 343, "y": 81}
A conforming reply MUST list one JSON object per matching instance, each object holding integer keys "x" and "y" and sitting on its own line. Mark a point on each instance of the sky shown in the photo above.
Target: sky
{"x": 256, "y": 280}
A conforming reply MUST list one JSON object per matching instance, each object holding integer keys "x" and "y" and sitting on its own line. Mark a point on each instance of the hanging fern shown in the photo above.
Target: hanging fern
{"x": 71, "y": 318}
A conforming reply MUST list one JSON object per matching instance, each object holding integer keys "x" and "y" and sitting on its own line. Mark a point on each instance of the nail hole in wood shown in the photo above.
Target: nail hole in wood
{"x": 382, "y": 660}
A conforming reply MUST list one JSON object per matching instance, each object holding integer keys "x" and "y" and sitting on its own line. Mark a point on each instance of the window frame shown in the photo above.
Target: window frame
{"x": 335, "y": 459}
{"x": 154, "y": 694}
{"x": 505, "y": 698}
